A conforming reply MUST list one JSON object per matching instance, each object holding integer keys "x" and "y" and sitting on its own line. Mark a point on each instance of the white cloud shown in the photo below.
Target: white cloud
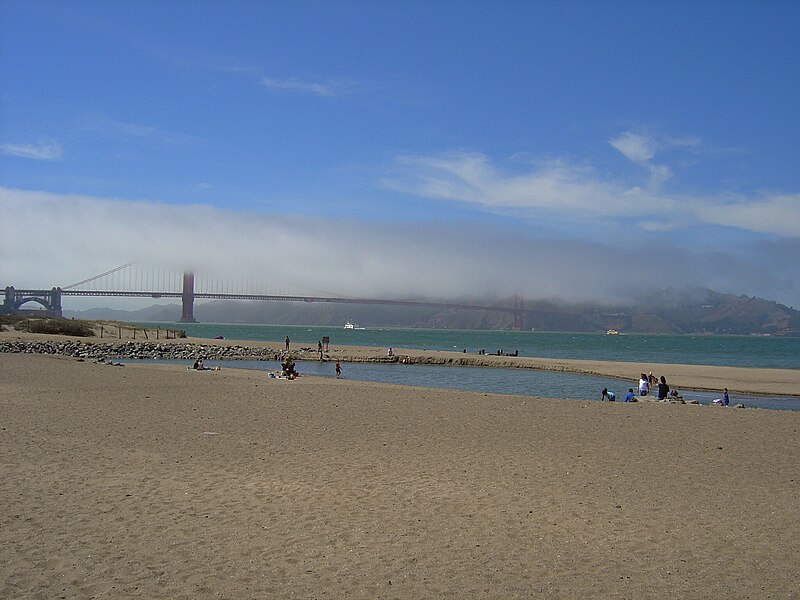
{"x": 777, "y": 214}
{"x": 641, "y": 149}
{"x": 635, "y": 147}
{"x": 40, "y": 151}
{"x": 554, "y": 188}
{"x": 573, "y": 193}
{"x": 110, "y": 127}
{"x": 294, "y": 85}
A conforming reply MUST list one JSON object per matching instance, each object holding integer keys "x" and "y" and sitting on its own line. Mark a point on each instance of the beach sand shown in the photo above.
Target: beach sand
{"x": 154, "y": 481}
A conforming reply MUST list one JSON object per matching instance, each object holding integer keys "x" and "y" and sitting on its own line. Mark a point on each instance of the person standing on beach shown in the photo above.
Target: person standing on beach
{"x": 644, "y": 385}
{"x": 338, "y": 369}
{"x": 725, "y": 399}
{"x": 286, "y": 341}
{"x": 663, "y": 389}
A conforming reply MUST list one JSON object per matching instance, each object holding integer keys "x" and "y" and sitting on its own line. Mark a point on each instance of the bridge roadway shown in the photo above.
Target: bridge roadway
{"x": 233, "y": 296}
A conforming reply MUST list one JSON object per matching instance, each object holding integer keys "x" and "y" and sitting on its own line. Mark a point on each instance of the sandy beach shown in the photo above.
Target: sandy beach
{"x": 153, "y": 481}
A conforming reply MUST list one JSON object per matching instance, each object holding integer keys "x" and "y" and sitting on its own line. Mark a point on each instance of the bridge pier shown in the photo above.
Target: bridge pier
{"x": 50, "y": 300}
{"x": 187, "y": 299}
{"x": 8, "y": 307}
{"x": 55, "y": 300}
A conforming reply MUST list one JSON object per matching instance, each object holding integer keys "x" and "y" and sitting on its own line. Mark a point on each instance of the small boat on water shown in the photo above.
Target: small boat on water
{"x": 349, "y": 325}
{"x": 612, "y": 332}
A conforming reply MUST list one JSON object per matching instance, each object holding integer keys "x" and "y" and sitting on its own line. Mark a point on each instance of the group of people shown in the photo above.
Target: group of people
{"x": 199, "y": 365}
{"x": 287, "y": 366}
{"x": 647, "y": 383}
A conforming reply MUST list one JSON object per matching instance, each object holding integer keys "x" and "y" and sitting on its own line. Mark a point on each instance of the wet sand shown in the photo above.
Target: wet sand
{"x": 154, "y": 481}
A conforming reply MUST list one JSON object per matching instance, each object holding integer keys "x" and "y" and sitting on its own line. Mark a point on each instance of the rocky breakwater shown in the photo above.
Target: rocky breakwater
{"x": 459, "y": 360}
{"x": 137, "y": 350}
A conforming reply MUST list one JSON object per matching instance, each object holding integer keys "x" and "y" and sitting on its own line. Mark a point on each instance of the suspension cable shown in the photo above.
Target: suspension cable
{"x": 125, "y": 266}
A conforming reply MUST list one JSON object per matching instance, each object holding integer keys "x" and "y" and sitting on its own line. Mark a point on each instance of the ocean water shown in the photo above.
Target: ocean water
{"x": 737, "y": 351}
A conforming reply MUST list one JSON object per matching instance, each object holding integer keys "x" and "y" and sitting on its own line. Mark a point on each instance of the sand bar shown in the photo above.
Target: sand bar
{"x": 154, "y": 481}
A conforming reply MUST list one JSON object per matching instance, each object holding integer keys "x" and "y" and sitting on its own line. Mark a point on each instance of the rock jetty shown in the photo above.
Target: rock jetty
{"x": 137, "y": 350}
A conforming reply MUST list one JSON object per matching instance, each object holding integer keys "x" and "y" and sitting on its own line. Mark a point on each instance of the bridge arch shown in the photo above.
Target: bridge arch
{"x": 23, "y": 301}
{"x": 50, "y": 301}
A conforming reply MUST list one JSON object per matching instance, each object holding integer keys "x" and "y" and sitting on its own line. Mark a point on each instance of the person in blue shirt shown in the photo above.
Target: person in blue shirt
{"x": 630, "y": 395}
{"x": 725, "y": 399}
{"x": 610, "y": 395}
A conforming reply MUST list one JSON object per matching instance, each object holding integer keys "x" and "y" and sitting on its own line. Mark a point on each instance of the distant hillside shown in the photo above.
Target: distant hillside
{"x": 699, "y": 311}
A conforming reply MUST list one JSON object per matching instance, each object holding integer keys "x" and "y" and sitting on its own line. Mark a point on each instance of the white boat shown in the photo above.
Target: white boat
{"x": 349, "y": 325}
{"x": 612, "y": 332}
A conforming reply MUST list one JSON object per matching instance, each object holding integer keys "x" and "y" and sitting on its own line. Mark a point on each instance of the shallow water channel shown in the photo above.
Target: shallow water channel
{"x": 524, "y": 382}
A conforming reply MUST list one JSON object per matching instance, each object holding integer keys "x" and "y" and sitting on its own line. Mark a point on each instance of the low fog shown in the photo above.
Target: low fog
{"x": 55, "y": 240}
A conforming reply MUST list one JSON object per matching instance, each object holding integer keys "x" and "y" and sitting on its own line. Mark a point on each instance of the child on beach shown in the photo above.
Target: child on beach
{"x": 338, "y": 368}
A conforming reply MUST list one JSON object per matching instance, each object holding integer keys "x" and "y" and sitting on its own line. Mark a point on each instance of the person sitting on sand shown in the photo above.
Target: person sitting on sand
{"x": 202, "y": 367}
{"x": 390, "y": 353}
{"x": 287, "y": 368}
{"x": 630, "y": 395}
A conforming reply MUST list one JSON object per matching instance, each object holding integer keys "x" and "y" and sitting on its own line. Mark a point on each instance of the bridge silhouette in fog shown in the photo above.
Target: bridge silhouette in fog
{"x": 127, "y": 281}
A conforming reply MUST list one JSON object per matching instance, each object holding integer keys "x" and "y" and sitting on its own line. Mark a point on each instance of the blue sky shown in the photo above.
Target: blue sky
{"x": 558, "y": 149}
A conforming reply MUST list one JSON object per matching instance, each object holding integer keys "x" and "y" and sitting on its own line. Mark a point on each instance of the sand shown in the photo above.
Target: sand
{"x": 153, "y": 481}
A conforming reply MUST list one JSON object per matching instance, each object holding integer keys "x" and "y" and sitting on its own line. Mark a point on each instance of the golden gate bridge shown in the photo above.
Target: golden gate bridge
{"x": 126, "y": 281}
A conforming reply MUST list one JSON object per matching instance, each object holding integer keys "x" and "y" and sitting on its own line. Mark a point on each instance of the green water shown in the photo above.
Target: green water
{"x": 739, "y": 351}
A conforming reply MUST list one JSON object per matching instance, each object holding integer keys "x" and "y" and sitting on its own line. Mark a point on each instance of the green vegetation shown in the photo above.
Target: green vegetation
{"x": 50, "y": 325}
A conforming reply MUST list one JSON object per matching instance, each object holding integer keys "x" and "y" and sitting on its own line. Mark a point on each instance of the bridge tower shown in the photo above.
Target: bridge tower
{"x": 187, "y": 299}
{"x": 519, "y": 313}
